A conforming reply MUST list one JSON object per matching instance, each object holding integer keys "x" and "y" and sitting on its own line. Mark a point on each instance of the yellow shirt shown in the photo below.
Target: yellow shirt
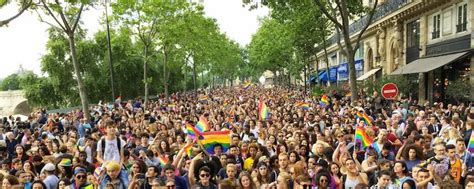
{"x": 456, "y": 170}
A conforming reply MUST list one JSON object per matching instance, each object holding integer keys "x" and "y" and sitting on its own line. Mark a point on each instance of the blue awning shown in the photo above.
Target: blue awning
{"x": 323, "y": 76}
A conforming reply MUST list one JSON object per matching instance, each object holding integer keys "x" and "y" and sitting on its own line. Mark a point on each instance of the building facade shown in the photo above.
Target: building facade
{"x": 428, "y": 41}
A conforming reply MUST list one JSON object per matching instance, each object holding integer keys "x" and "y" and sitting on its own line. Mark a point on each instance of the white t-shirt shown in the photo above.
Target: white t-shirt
{"x": 111, "y": 152}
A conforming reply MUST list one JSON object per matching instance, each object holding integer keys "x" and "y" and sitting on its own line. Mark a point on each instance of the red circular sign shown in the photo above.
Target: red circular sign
{"x": 389, "y": 91}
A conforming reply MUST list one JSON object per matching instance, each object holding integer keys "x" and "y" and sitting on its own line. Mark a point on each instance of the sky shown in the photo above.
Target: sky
{"x": 23, "y": 41}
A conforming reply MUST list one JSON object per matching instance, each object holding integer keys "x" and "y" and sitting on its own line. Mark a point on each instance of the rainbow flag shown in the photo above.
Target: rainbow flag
{"x": 202, "y": 125}
{"x": 470, "y": 146}
{"x": 188, "y": 149}
{"x": 303, "y": 105}
{"x": 118, "y": 99}
{"x": 163, "y": 160}
{"x": 324, "y": 101}
{"x": 362, "y": 137}
{"x": 192, "y": 131}
{"x": 247, "y": 85}
{"x": 376, "y": 147}
{"x": 98, "y": 171}
{"x": 366, "y": 118}
{"x": 263, "y": 111}
{"x": 210, "y": 139}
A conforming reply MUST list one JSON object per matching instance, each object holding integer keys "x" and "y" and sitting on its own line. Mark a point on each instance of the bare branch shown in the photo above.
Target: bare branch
{"x": 23, "y": 9}
{"x": 52, "y": 15}
{"x": 78, "y": 18}
{"x": 46, "y": 22}
{"x": 369, "y": 21}
{"x": 325, "y": 12}
{"x": 63, "y": 17}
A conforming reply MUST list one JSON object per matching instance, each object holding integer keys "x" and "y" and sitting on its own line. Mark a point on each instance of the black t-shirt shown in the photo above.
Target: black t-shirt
{"x": 210, "y": 186}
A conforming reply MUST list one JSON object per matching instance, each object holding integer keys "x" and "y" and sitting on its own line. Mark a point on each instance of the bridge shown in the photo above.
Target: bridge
{"x": 14, "y": 102}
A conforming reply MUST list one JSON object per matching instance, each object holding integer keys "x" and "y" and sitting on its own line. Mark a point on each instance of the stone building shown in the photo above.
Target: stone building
{"x": 427, "y": 41}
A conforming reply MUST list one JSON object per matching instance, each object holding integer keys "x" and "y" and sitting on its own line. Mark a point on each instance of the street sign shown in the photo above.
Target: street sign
{"x": 389, "y": 91}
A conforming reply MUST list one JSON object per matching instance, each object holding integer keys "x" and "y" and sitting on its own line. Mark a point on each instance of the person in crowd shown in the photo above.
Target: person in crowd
{"x": 424, "y": 145}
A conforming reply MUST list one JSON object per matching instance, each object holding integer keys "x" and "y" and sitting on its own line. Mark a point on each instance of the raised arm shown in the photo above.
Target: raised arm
{"x": 191, "y": 177}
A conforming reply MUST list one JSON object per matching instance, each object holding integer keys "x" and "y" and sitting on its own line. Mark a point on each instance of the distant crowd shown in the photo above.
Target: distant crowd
{"x": 127, "y": 145}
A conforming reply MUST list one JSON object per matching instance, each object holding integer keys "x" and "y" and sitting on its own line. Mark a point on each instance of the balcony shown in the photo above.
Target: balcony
{"x": 381, "y": 11}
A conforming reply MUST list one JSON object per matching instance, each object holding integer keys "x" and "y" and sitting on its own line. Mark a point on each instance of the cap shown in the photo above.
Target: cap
{"x": 65, "y": 162}
{"x": 48, "y": 167}
{"x": 78, "y": 170}
{"x": 322, "y": 163}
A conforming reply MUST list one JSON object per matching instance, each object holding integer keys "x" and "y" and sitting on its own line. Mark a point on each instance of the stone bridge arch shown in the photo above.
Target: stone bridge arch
{"x": 14, "y": 102}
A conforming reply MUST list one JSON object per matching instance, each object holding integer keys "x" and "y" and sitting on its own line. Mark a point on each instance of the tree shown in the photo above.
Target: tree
{"x": 11, "y": 82}
{"x": 271, "y": 46}
{"x": 23, "y": 5}
{"x": 66, "y": 18}
{"x": 40, "y": 91}
{"x": 339, "y": 12}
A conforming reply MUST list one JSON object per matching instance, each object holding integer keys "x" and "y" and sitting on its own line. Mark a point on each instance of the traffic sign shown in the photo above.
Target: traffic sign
{"x": 389, "y": 91}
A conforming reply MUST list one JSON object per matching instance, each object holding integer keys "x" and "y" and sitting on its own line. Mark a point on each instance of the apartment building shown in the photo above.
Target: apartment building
{"x": 427, "y": 41}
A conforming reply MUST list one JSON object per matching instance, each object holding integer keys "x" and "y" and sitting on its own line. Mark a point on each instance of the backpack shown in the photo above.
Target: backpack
{"x": 119, "y": 146}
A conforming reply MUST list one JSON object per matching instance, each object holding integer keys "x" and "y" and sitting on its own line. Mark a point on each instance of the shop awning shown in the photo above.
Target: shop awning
{"x": 368, "y": 74}
{"x": 423, "y": 65}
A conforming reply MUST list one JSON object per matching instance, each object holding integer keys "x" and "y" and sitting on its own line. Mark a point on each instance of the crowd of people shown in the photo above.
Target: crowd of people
{"x": 132, "y": 145}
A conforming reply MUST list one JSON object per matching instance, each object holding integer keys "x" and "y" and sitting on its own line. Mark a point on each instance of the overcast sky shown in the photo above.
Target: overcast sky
{"x": 23, "y": 41}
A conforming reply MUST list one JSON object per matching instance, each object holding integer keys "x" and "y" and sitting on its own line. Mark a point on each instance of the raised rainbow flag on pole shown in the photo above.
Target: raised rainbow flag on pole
{"x": 163, "y": 160}
{"x": 202, "y": 125}
{"x": 192, "y": 131}
{"x": 303, "y": 105}
{"x": 324, "y": 101}
{"x": 263, "y": 111}
{"x": 188, "y": 149}
{"x": 366, "y": 118}
{"x": 211, "y": 139}
{"x": 363, "y": 138}
{"x": 470, "y": 146}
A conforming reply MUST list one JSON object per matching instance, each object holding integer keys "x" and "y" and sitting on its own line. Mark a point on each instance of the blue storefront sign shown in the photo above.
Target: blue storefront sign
{"x": 333, "y": 74}
{"x": 343, "y": 72}
{"x": 359, "y": 65}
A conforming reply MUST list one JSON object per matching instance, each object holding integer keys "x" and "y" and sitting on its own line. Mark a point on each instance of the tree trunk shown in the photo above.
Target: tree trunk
{"x": 194, "y": 78}
{"x": 326, "y": 59}
{"x": 165, "y": 72}
{"x": 145, "y": 79}
{"x": 80, "y": 82}
{"x": 352, "y": 77}
{"x": 304, "y": 80}
{"x": 185, "y": 76}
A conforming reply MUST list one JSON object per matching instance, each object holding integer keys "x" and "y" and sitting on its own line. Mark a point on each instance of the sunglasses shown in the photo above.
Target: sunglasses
{"x": 323, "y": 180}
{"x": 81, "y": 176}
{"x": 205, "y": 175}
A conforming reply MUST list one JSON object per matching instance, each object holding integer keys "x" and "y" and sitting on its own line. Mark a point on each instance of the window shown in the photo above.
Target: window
{"x": 436, "y": 27}
{"x": 462, "y": 18}
{"x": 413, "y": 34}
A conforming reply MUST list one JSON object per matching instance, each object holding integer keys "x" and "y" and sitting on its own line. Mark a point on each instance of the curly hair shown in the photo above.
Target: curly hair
{"x": 418, "y": 150}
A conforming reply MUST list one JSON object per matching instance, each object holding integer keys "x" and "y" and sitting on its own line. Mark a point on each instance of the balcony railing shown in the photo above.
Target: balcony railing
{"x": 381, "y": 11}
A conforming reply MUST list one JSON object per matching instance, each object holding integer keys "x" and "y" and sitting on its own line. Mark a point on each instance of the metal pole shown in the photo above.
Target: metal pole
{"x": 110, "y": 54}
